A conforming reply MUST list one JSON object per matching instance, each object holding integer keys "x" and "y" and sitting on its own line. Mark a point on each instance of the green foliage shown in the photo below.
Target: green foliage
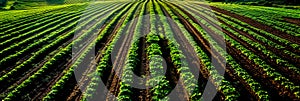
{"x": 285, "y": 82}
{"x": 261, "y": 2}
{"x": 271, "y": 16}
{"x": 38, "y": 35}
{"x": 60, "y": 56}
{"x": 50, "y": 46}
{"x": 131, "y": 61}
{"x": 104, "y": 62}
{"x": 3, "y": 3}
{"x": 55, "y": 1}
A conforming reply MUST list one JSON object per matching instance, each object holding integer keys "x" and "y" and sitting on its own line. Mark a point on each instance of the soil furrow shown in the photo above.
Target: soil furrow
{"x": 181, "y": 92}
{"x": 229, "y": 73}
{"x": 142, "y": 68}
{"x": 114, "y": 79}
{"x": 256, "y": 24}
{"x": 274, "y": 88}
{"x": 42, "y": 89}
{"x": 289, "y": 73}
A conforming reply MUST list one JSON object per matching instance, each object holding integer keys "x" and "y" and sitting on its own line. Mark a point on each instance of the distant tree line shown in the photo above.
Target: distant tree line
{"x": 55, "y": 1}
{"x": 3, "y": 3}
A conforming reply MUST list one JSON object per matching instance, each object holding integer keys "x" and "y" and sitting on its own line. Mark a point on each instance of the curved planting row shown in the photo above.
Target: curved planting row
{"x": 56, "y": 60}
{"x": 259, "y": 25}
{"x": 178, "y": 59}
{"x": 58, "y": 87}
{"x": 24, "y": 33}
{"x": 158, "y": 81}
{"x": 41, "y": 42}
{"x": 40, "y": 53}
{"x": 279, "y": 43}
{"x": 26, "y": 26}
{"x": 114, "y": 78}
{"x": 103, "y": 65}
{"x": 156, "y": 69}
{"x": 42, "y": 28}
{"x": 131, "y": 61}
{"x": 16, "y": 25}
{"x": 19, "y": 28}
{"x": 267, "y": 18}
{"x": 187, "y": 47}
{"x": 273, "y": 59}
{"x": 283, "y": 82}
{"x": 269, "y": 38}
{"x": 36, "y": 16}
{"x": 223, "y": 85}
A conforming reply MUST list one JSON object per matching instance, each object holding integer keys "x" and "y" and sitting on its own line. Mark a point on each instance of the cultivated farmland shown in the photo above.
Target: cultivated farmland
{"x": 150, "y": 50}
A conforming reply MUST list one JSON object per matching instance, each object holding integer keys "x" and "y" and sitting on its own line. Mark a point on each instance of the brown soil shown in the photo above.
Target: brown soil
{"x": 229, "y": 70}
{"x": 275, "y": 90}
{"x": 19, "y": 78}
{"x": 293, "y": 20}
{"x": 143, "y": 67}
{"x": 287, "y": 47}
{"x": 73, "y": 90}
{"x": 25, "y": 55}
{"x": 283, "y": 94}
{"x": 206, "y": 46}
{"x": 26, "y": 73}
{"x": 267, "y": 37}
{"x": 114, "y": 79}
{"x": 76, "y": 94}
{"x": 43, "y": 88}
{"x": 171, "y": 75}
{"x": 84, "y": 81}
{"x": 288, "y": 73}
{"x": 41, "y": 91}
{"x": 231, "y": 48}
{"x": 256, "y": 24}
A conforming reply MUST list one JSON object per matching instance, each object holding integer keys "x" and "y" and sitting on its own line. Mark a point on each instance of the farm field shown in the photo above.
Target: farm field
{"x": 150, "y": 51}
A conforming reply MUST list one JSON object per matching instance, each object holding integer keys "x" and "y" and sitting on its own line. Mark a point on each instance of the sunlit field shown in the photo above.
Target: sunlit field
{"x": 149, "y": 51}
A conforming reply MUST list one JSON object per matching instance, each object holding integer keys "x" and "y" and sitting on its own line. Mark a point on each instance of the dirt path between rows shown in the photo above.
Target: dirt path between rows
{"x": 288, "y": 73}
{"x": 293, "y": 20}
{"x": 142, "y": 68}
{"x": 249, "y": 65}
{"x": 114, "y": 79}
{"x": 256, "y": 24}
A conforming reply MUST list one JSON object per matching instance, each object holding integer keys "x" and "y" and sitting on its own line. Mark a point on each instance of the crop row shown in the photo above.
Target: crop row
{"x": 62, "y": 82}
{"x": 41, "y": 26}
{"x": 156, "y": 69}
{"x": 222, "y": 84}
{"x": 41, "y": 42}
{"x": 17, "y": 33}
{"x": 55, "y": 60}
{"x": 41, "y": 53}
{"x": 106, "y": 54}
{"x": 131, "y": 60}
{"x": 267, "y": 18}
{"x": 246, "y": 77}
{"x": 36, "y": 16}
{"x": 36, "y": 28}
{"x": 6, "y": 31}
{"x": 177, "y": 57}
{"x": 262, "y": 64}
{"x": 259, "y": 47}
{"x": 258, "y": 37}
